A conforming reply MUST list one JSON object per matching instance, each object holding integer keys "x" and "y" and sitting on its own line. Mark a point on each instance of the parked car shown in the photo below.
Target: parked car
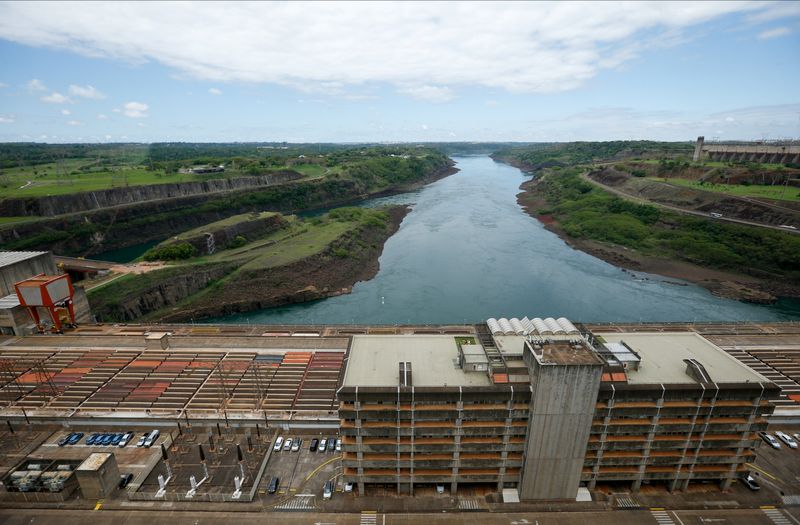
{"x": 115, "y": 439}
{"x": 750, "y": 482}
{"x": 770, "y": 440}
{"x": 278, "y": 443}
{"x": 796, "y": 436}
{"x": 348, "y": 487}
{"x": 327, "y": 490}
{"x": 107, "y": 439}
{"x": 296, "y": 444}
{"x": 440, "y": 489}
{"x": 786, "y": 438}
{"x": 75, "y": 438}
{"x": 273, "y": 485}
{"x": 287, "y": 445}
{"x": 142, "y": 439}
{"x": 126, "y": 437}
{"x": 124, "y": 479}
{"x": 323, "y": 443}
{"x": 331, "y": 444}
{"x": 63, "y": 441}
{"x": 91, "y": 439}
{"x": 339, "y": 445}
{"x": 314, "y": 444}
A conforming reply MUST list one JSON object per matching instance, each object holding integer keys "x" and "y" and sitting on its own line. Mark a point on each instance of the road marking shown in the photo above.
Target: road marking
{"x": 762, "y": 471}
{"x": 314, "y": 472}
{"x": 777, "y": 517}
{"x": 297, "y": 503}
{"x": 369, "y": 517}
{"x": 98, "y": 505}
{"x": 662, "y": 516}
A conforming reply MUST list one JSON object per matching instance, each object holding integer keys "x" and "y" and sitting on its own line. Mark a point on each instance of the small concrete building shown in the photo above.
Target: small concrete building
{"x": 98, "y": 475}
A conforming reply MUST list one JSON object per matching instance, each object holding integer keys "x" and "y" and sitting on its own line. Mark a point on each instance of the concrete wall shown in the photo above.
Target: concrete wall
{"x": 562, "y": 406}
{"x": 99, "y": 483}
{"x": 14, "y": 273}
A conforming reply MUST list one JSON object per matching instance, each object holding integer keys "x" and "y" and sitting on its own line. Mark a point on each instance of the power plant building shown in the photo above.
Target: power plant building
{"x": 547, "y": 413}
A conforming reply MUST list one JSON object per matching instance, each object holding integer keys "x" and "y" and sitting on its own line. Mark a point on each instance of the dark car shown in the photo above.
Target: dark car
{"x": 63, "y": 441}
{"x": 116, "y": 439}
{"x": 75, "y": 438}
{"x": 91, "y": 439}
{"x": 124, "y": 479}
{"x": 107, "y": 439}
{"x": 273, "y": 485}
{"x": 314, "y": 445}
{"x": 331, "y": 444}
{"x": 750, "y": 482}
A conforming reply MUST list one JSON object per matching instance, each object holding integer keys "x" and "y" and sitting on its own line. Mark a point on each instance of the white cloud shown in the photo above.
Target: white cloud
{"x": 85, "y": 92}
{"x": 774, "y": 33}
{"x": 3, "y": 85}
{"x": 56, "y": 98}
{"x": 108, "y": 137}
{"x": 7, "y": 119}
{"x": 66, "y": 112}
{"x": 426, "y": 50}
{"x": 75, "y": 123}
{"x": 429, "y": 93}
{"x": 135, "y": 109}
{"x": 36, "y": 85}
{"x": 100, "y": 116}
{"x": 215, "y": 91}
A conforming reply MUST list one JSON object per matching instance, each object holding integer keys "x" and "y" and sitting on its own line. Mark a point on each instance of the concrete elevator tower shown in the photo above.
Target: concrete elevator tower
{"x": 565, "y": 379}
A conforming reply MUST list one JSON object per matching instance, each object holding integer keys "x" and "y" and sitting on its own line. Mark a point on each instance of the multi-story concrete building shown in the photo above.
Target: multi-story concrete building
{"x": 547, "y": 412}
{"x": 674, "y": 408}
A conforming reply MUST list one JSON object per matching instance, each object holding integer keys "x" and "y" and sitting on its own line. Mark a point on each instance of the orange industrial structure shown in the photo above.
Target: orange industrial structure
{"x": 53, "y": 292}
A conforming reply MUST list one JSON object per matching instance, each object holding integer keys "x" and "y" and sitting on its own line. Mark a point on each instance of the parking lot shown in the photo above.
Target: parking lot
{"x": 302, "y": 473}
{"x": 779, "y": 469}
{"x": 130, "y": 459}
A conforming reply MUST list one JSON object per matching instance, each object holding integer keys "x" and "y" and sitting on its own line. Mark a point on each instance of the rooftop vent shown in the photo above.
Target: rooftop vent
{"x": 697, "y": 371}
{"x": 405, "y": 373}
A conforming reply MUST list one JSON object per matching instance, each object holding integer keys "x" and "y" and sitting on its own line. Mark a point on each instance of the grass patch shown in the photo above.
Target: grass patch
{"x": 785, "y": 193}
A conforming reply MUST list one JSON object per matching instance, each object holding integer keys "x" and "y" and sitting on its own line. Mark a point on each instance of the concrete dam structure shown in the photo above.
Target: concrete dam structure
{"x": 763, "y": 153}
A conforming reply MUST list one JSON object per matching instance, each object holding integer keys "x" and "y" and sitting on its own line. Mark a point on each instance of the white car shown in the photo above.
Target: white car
{"x": 296, "y": 444}
{"x": 287, "y": 445}
{"x": 278, "y": 444}
{"x": 786, "y": 438}
{"x": 339, "y": 445}
{"x": 323, "y": 443}
{"x": 796, "y": 437}
{"x": 770, "y": 440}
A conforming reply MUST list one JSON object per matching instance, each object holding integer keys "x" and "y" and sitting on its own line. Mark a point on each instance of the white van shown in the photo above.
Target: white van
{"x": 151, "y": 438}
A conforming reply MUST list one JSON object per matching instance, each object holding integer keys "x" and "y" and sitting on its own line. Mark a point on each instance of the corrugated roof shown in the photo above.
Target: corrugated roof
{"x": 7, "y": 258}
{"x": 9, "y": 301}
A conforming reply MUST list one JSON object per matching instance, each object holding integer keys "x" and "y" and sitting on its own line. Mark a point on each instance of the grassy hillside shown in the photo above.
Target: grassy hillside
{"x": 584, "y": 211}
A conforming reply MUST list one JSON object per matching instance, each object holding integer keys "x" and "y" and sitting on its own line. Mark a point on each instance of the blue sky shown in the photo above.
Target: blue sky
{"x": 348, "y": 72}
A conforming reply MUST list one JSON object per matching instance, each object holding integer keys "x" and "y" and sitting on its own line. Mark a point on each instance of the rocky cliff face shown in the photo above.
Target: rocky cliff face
{"x": 249, "y": 229}
{"x": 324, "y": 274}
{"x": 162, "y": 293}
{"x": 94, "y": 200}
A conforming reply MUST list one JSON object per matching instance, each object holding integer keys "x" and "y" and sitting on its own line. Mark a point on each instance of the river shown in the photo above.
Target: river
{"x": 467, "y": 251}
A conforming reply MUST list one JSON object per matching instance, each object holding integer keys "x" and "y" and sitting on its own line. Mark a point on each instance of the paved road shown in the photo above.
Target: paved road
{"x": 683, "y": 211}
{"x": 639, "y": 517}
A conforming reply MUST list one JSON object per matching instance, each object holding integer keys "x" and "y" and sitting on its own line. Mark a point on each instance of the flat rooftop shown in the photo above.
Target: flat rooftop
{"x": 374, "y": 361}
{"x": 663, "y": 354}
{"x": 7, "y": 258}
{"x": 565, "y": 352}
